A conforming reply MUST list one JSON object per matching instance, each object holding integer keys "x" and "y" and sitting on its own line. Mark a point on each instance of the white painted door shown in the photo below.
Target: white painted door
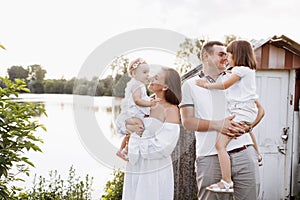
{"x": 273, "y": 91}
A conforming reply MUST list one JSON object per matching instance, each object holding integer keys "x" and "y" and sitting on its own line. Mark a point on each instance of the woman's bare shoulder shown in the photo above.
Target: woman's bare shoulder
{"x": 172, "y": 114}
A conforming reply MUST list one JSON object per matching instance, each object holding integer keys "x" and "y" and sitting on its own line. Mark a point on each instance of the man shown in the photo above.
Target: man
{"x": 203, "y": 111}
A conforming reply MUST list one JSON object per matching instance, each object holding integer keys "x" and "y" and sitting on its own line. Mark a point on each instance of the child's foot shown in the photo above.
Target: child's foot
{"x": 122, "y": 155}
{"x": 125, "y": 152}
{"x": 221, "y": 187}
{"x": 260, "y": 163}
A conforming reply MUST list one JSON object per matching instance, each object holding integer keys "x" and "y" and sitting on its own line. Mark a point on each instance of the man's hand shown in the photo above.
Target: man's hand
{"x": 230, "y": 128}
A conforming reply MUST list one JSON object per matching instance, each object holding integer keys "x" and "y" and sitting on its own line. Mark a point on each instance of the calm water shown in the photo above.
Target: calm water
{"x": 63, "y": 146}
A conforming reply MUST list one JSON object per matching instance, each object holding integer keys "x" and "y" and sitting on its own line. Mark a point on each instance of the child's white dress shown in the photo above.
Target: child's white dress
{"x": 242, "y": 95}
{"x": 128, "y": 106}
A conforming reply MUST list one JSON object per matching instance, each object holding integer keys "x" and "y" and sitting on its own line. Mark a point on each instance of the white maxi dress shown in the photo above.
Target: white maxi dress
{"x": 149, "y": 172}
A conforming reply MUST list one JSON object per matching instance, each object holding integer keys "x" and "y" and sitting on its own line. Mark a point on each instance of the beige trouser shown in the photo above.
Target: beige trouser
{"x": 244, "y": 170}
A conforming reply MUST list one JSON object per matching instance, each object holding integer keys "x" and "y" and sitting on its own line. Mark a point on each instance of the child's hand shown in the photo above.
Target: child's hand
{"x": 154, "y": 101}
{"x": 201, "y": 83}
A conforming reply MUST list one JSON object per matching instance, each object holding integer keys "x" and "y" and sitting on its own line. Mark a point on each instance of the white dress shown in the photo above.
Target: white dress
{"x": 241, "y": 96}
{"x": 149, "y": 172}
{"x": 128, "y": 106}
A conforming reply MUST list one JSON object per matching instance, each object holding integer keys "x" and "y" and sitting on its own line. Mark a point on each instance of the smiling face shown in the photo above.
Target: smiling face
{"x": 141, "y": 73}
{"x": 217, "y": 58}
{"x": 157, "y": 82}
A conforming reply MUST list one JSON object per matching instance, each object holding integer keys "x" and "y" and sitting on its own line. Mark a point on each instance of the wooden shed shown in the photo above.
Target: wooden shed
{"x": 278, "y": 87}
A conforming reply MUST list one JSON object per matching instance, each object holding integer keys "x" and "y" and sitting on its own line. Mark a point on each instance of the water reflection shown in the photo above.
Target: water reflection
{"x": 62, "y": 145}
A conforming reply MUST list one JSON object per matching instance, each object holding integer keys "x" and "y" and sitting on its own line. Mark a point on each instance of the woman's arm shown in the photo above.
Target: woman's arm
{"x": 220, "y": 85}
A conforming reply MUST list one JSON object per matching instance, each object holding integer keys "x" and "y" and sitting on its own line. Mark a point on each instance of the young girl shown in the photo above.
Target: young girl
{"x": 241, "y": 103}
{"x": 136, "y": 103}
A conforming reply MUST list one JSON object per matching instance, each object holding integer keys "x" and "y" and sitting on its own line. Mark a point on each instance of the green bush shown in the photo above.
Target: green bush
{"x": 55, "y": 188}
{"x": 114, "y": 188}
{"x": 17, "y": 128}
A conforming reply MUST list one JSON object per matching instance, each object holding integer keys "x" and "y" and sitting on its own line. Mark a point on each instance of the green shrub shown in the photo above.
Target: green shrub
{"x": 17, "y": 128}
{"x": 114, "y": 188}
{"x": 55, "y": 188}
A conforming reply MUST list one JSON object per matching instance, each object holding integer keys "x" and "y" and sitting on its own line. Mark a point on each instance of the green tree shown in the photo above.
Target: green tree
{"x": 120, "y": 85}
{"x": 36, "y": 73}
{"x": 68, "y": 87}
{"x": 54, "y": 86}
{"x": 16, "y": 134}
{"x": 119, "y": 66}
{"x": 230, "y": 38}
{"x": 80, "y": 86}
{"x": 17, "y": 72}
{"x": 189, "y": 50}
{"x": 36, "y": 87}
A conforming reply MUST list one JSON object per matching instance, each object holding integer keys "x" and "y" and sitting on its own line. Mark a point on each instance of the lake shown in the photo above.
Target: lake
{"x": 65, "y": 142}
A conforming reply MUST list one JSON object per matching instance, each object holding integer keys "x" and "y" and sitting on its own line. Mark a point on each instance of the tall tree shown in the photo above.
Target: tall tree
{"x": 189, "y": 50}
{"x": 17, "y": 72}
{"x": 36, "y": 73}
{"x": 119, "y": 66}
{"x": 230, "y": 38}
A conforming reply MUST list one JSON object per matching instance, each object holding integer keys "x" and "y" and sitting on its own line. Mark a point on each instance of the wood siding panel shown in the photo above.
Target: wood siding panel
{"x": 296, "y": 62}
{"x": 276, "y": 58}
{"x": 258, "y": 55}
{"x": 288, "y": 63}
{"x": 265, "y": 56}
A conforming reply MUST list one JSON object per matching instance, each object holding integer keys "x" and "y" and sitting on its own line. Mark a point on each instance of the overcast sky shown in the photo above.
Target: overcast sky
{"x": 60, "y": 35}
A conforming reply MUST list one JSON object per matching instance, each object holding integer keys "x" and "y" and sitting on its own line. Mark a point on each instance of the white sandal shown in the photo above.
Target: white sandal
{"x": 260, "y": 162}
{"x": 216, "y": 188}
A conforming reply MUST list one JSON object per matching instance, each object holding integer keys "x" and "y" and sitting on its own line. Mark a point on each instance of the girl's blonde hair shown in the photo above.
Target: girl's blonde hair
{"x": 135, "y": 64}
{"x": 242, "y": 53}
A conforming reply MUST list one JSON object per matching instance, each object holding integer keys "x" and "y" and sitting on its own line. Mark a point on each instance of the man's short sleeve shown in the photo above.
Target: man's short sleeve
{"x": 187, "y": 97}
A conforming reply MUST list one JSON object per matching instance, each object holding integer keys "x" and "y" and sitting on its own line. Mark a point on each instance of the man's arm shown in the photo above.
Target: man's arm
{"x": 226, "y": 126}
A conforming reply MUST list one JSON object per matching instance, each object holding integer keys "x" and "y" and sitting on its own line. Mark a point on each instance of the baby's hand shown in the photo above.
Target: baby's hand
{"x": 201, "y": 83}
{"x": 154, "y": 101}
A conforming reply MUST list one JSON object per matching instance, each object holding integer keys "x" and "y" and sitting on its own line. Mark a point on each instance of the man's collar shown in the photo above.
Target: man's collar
{"x": 209, "y": 78}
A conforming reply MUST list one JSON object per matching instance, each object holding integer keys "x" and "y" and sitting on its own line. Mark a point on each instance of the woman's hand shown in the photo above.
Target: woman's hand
{"x": 133, "y": 128}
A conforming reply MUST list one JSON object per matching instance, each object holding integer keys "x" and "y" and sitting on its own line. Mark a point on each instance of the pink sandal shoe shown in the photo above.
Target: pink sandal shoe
{"x": 228, "y": 187}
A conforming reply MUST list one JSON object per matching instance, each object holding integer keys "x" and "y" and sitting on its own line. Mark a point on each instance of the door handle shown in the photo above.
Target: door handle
{"x": 285, "y": 134}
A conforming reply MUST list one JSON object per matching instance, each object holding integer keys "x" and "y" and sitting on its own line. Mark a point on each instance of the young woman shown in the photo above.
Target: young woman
{"x": 149, "y": 172}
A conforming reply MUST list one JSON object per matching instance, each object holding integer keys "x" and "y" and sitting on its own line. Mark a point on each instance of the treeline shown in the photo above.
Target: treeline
{"x": 34, "y": 77}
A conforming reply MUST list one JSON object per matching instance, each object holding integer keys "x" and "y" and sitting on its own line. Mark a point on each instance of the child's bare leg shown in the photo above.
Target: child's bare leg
{"x": 256, "y": 148}
{"x": 124, "y": 143}
{"x": 125, "y": 148}
{"x": 122, "y": 153}
{"x": 224, "y": 159}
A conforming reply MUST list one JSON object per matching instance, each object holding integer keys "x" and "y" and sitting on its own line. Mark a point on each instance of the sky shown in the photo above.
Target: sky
{"x": 60, "y": 35}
